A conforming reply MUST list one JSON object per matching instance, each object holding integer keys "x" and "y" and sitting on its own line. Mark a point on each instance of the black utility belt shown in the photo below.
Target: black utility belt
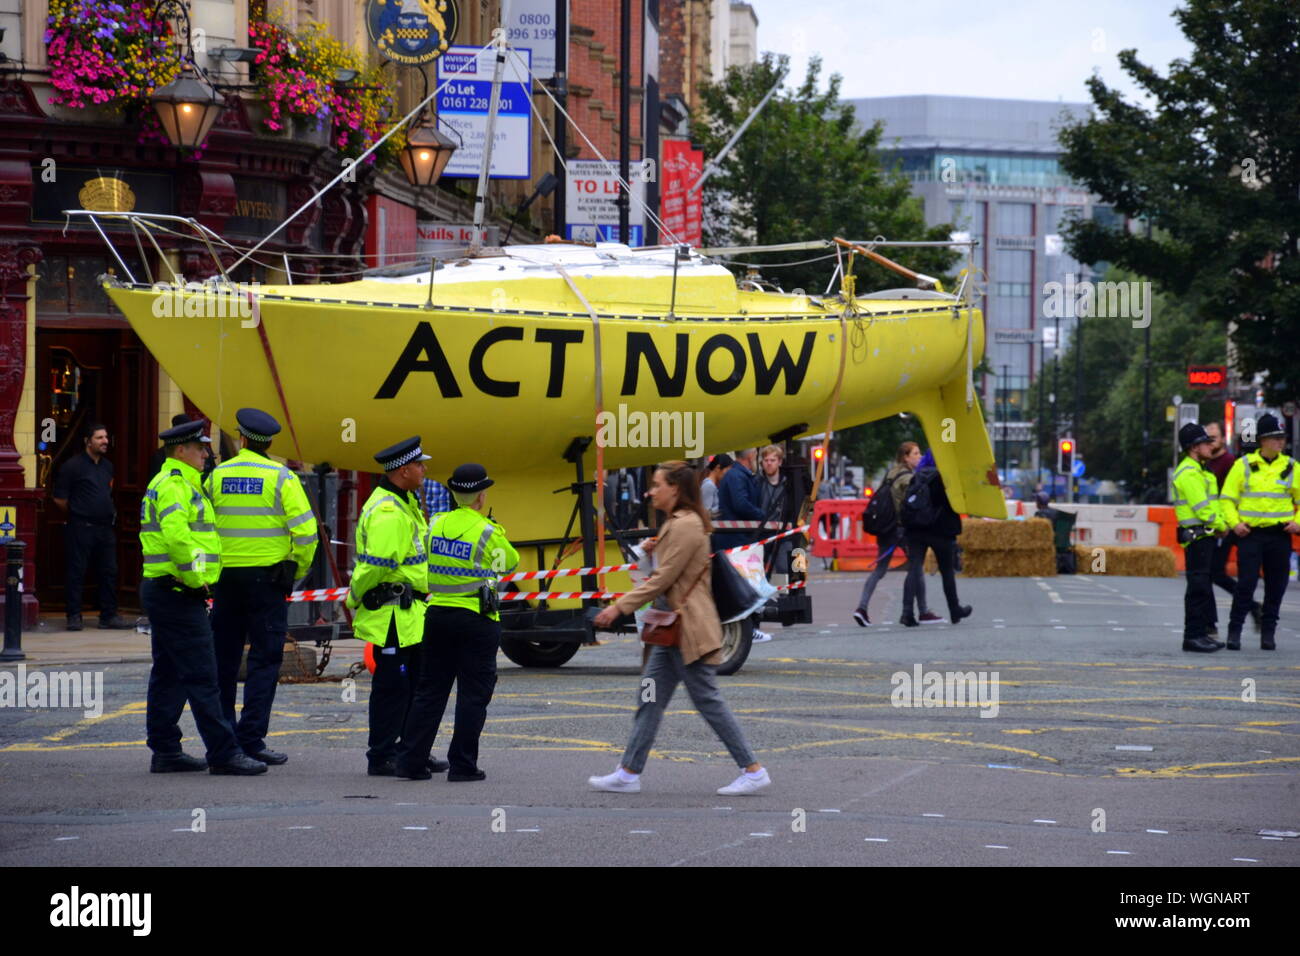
{"x": 1194, "y": 532}
{"x": 177, "y": 585}
{"x": 1279, "y": 526}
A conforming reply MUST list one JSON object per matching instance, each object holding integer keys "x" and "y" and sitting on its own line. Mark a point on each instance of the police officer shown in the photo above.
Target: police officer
{"x": 182, "y": 558}
{"x": 388, "y": 593}
{"x": 268, "y": 539}
{"x": 1199, "y": 524}
{"x": 1259, "y": 501}
{"x": 467, "y": 550}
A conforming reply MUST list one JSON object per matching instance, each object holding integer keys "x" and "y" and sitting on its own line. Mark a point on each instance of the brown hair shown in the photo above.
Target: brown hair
{"x": 681, "y": 476}
{"x": 904, "y": 450}
{"x": 773, "y": 450}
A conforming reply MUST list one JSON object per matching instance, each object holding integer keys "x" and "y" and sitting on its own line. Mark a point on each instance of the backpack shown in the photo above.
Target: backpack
{"x": 919, "y": 509}
{"x": 880, "y": 518}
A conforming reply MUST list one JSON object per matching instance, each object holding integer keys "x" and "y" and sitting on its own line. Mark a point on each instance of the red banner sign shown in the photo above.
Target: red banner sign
{"x": 681, "y": 210}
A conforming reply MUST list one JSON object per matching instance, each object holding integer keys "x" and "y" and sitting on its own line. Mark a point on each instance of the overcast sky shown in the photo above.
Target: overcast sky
{"x": 1015, "y": 49}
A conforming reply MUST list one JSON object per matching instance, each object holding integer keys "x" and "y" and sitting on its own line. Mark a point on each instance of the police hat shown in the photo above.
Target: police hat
{"x": 1267, "y": 426}
{"x": 1192, "y": 434}
{"x": 188, "y": 432}
{"x": 403, "y": 453}
{"x": 469, "y": 477}
{"x": 256, "y": 425}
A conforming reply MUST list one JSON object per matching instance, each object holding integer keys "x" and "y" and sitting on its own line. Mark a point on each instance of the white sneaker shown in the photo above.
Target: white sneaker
{"x": 760, "y": 637}
{"x": 614, "y": 783}
{"x": 745, "y": 784}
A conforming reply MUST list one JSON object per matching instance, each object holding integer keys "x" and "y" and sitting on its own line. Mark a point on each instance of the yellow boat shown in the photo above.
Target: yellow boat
{"x": 496, "y": 359}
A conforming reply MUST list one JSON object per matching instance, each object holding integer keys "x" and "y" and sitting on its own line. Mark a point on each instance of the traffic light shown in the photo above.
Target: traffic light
{"x": 819, "y": 455}
{"x": 1065, "y": 452}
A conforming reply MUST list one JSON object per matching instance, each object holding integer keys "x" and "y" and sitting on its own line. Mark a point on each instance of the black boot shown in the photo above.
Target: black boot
{"x": 1202, "y": 645}
{"x": 1234, "y": 638}
{"x": 1266, "y": 641}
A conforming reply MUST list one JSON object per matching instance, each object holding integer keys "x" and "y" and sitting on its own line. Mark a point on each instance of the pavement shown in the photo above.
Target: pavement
{"x": 1104, "y": 745}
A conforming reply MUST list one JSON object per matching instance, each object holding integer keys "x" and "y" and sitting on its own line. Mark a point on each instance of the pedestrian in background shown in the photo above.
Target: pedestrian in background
{"x": 930, "y": 523}
{"x": 84, "y": 489}
{"x": 182, "y": 559}
{"x": 268, "y": 539}
{"x": 1196, "y": 506}
{"x": 1261, "y": 503}
{"x": 681, "y": 582}
{"x": 739, "y": 500}
{"x": 434, "y": 498}
{"x": 778, "y": 507}
{"x": 713, "y": 474}
{"x": 894, "y": 486}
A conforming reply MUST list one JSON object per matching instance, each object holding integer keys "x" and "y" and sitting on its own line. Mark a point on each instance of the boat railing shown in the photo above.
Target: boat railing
{"x": 146, "y": 226}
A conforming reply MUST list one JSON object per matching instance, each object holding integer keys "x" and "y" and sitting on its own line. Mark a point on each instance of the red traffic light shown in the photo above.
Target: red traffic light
{"x": 819, "y": 453}
{"x": 868, "y": 492}
{"x": 1067, "y": 446}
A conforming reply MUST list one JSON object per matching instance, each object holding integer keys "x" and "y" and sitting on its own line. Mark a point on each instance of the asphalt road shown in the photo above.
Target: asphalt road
{"x": 1109, "y": 747}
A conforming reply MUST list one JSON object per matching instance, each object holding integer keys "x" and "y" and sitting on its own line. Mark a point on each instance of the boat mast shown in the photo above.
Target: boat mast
{"x": 480, "y": 203}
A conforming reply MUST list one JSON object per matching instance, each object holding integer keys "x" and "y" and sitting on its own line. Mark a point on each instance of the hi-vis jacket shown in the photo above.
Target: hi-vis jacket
{"x": 1259, "y": 492}
{"x": 1196, "y": 498}
{"x": 263, "y": 516}
{"x": 177, "y": 536}
{"x": 465, "y": 551}
{"x": 390, "y": 548}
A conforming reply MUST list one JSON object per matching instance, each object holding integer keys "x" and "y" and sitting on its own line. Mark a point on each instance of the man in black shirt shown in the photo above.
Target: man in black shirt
{"x": 84, "y": 488}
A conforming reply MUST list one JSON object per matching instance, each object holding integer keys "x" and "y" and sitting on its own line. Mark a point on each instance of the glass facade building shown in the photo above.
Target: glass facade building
{"x": 991, "y": 169}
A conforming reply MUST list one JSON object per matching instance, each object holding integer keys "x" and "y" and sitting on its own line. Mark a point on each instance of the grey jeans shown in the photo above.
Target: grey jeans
{"x": 917, "y": 573}
{"x": 663, "y": 671}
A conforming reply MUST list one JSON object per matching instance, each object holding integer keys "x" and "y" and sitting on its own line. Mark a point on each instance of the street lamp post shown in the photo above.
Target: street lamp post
{"x": 188, "y": 106}
{"x": 427, "y": 150}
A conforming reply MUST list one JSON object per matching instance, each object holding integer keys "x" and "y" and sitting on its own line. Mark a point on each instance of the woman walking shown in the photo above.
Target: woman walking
{"x": 896, "y": 480}
{"x": 681, "y": 582}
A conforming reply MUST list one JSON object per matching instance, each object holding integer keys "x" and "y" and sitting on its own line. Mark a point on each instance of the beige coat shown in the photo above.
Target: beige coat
{"x": 682, "y": 553}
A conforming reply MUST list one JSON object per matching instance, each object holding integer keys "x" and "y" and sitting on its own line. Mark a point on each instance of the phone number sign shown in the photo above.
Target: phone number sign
{"x": 463, "y": 105}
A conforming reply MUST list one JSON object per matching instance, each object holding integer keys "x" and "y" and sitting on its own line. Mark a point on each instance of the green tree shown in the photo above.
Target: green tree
{"x": 804, "y": 170}
{"x": 1113, "y": 365}
{"x": 1215, "y": 166}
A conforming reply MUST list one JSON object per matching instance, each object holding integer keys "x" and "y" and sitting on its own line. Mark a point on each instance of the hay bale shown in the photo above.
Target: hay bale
{"x": 1125, "y": 561}
{"x": 981, "y": 534}
{"x": 1013, "y": 563}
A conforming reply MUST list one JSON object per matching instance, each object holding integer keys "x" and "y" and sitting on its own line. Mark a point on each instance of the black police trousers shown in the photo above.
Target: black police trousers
{"x": 248, "y": 605}
{"x": 90, "y": 545}
{"x": 460, "y": 646}
{"x": 184, "y": 669}
{"x": 1198, "y": 600}
{"x": 397, "y": 671}
{"x": 1269, "y": 549}
{"x": 1219, "y": 569}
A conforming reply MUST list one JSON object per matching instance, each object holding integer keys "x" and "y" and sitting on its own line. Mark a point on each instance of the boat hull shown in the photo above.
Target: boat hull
{"x": 512, "y": 388}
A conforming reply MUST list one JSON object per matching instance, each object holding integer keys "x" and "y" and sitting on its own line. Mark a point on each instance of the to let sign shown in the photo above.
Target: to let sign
{"x": 1207, "y": 376}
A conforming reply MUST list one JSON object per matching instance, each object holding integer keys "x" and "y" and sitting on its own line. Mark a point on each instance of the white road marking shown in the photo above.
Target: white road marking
{"x": 875, "y": 840}
{"x": 999, "y": 627}
{"x": 999, "y": 620}
{"x": 1058, "y": 627}
{"x": 761, "y": 834}
{"x": 995, "y": 846}
{"x": 1279, "y": 833}
{"x": 1112, "y": 622}
{"x": 406, "y": 804}
{"x": 528, "y": 830}
{"x": 1270, "y": 838}
{"x": 300, "y": 828}
{"x": 1044, "y": 821}
{"x": 58, "y": 839}
{"x": 1244, "y": 859}
{"x": 1117, "y": 629}
{"x": 629, "y": 831}
{"x": 1119, "y": 852}
{"x": 1156, "y": 831}
{"x": 415, "y": 828}
{"x": 828, "y": 810}
{"x": 182, "y": 830}
{"x": 932, "y": 814}
{"x": 1143, "y": 747}
{"x": 1056, "y": 598}
{"x": 722, "y": 808}
{"x": 1053, "y": 620}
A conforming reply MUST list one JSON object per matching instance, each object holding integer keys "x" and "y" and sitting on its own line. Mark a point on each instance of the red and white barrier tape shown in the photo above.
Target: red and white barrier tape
{"x": 559, "y": 595}
{"x": 748, "y": 524}
{"x": 562, "y": 572}
{"x": 791, "y": 587}
{"x": 319, "y": 594}
{"x": 802, "y": 529}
